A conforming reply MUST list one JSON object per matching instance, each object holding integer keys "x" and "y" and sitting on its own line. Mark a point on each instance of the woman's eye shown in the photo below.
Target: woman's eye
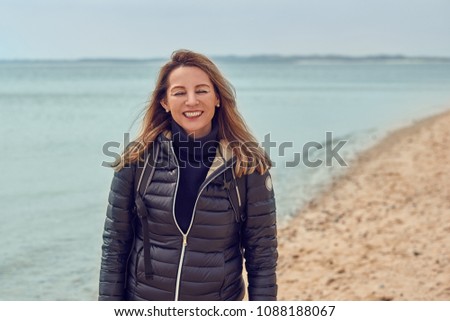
{"x": 202, "y": 91}
{"x": 179, "y": 93}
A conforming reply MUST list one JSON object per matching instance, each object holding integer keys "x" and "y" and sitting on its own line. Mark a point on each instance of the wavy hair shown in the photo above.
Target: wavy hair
{"x": 232, "y": 127}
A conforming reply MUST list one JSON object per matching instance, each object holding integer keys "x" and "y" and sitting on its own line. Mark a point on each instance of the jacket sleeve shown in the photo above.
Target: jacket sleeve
{"x": 117, "y": 235}
{"x": 259, "y": 238}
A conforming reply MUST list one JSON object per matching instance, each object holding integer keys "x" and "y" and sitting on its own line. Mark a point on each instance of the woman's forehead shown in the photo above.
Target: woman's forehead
{"x": 187, "y": 75}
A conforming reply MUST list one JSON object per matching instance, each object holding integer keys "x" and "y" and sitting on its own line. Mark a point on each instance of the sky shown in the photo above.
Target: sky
{"x": 78, "y": 29}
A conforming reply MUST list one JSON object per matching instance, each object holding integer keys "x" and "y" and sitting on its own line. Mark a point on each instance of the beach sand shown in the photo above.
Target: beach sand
{"x": 381, "y": 231}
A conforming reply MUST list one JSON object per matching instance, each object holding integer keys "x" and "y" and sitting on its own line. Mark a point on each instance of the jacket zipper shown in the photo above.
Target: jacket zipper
{"x": 184, "y": 244}
{"x": 180, "y": 265}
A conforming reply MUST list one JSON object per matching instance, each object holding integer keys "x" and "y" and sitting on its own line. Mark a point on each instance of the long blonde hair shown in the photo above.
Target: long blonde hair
{"x": 232, "y": 128}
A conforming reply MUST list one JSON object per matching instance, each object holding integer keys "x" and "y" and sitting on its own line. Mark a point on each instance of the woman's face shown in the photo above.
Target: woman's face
{"x": 191, "y": 99}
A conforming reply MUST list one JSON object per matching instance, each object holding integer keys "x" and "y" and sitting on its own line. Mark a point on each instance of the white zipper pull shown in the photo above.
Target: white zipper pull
{"x": 184, "y": 239}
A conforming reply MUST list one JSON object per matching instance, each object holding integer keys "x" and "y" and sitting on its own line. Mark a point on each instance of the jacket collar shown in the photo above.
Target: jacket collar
{"x": 224, "y": 154}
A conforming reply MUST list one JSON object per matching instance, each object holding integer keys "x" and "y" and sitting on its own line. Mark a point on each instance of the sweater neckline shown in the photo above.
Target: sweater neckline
{"x": 188, "y": 147}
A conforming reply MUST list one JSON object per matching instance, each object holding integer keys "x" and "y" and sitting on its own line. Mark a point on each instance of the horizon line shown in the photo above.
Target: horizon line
{"x": 252, "y": 57}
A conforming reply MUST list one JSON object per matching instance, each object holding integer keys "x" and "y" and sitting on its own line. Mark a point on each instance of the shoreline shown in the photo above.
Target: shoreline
{"x": 379, "y": 231}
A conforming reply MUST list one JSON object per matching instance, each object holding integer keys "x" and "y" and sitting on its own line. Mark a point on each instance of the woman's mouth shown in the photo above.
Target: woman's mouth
{"x": 192, "y": 114}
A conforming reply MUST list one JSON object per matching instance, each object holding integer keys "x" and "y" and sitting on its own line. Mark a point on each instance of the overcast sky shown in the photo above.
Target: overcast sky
{"x": 62, "y": 29}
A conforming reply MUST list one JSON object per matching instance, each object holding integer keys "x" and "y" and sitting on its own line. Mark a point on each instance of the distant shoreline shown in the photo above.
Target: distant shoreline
{"x": 381, "y": 58}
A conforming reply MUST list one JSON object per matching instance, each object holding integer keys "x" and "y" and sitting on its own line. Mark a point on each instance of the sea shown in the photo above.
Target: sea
{"x": 60, "y": 122}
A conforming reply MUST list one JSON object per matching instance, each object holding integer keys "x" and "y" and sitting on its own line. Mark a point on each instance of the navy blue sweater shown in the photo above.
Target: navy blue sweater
{"x": 194, "y": 158}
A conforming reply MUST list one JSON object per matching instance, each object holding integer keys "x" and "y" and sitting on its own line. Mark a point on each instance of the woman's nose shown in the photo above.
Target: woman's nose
{"x": 191, "y": 99}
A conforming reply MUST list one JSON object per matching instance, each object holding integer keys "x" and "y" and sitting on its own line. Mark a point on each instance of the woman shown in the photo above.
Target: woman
{"x": 190, "y": 198}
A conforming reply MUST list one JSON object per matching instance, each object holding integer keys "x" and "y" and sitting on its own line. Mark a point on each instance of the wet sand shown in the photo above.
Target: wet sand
{"x": 381, "y": 231}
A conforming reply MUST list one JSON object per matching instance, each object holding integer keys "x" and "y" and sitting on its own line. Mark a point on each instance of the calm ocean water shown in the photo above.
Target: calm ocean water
{"x": 55, "y": 118}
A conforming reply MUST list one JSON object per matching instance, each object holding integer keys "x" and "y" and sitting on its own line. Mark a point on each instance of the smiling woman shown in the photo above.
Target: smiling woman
{"x": 191, "y": 99}
{"x": 191, "y": 198}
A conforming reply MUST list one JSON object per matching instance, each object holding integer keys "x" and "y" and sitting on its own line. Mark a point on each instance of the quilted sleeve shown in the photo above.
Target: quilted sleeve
{"x": 259, "y": 238}
{"x": 117, "y": 235}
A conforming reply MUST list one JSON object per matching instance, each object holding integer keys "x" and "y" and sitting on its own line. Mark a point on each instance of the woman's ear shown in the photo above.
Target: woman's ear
{"x": 165, "y": 106}
{"x": 217, "y": 102}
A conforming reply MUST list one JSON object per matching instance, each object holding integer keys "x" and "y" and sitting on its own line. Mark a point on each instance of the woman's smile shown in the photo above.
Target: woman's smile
{"x": 192, "y": 114}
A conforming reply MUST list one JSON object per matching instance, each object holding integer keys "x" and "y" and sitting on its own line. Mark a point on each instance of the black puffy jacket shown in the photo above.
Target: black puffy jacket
{"x": 206, "y": 262}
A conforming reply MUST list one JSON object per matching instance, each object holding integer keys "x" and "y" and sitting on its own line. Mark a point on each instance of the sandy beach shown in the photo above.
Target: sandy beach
{"x": 381, "y": 231}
